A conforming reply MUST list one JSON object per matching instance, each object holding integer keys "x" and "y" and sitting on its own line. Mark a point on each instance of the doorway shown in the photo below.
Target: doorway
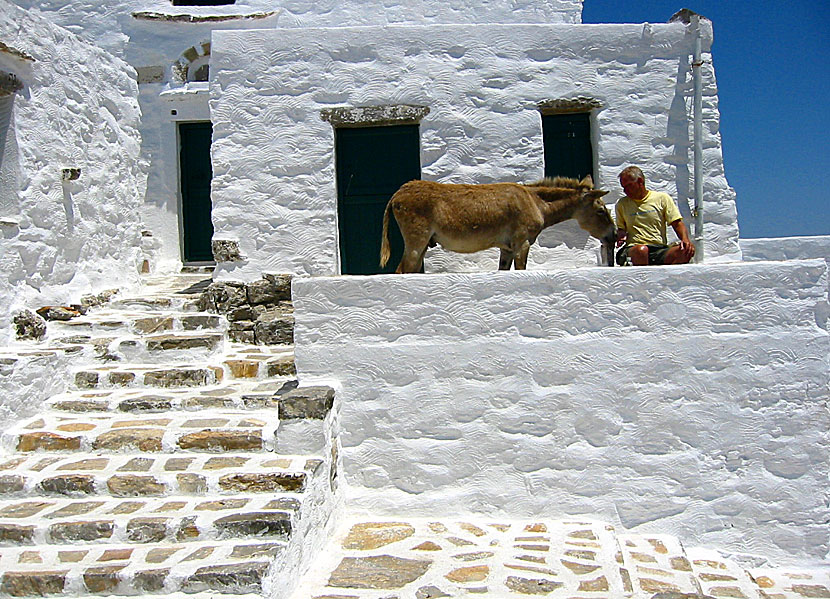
{"x": 195, "y": 173}
{"x": 372, "y": 163}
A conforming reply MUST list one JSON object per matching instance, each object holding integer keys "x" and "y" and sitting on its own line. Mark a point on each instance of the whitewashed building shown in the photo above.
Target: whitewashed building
{"x": 300, "y": 94}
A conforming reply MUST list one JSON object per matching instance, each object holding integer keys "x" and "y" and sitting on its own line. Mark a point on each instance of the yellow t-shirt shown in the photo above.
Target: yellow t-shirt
{"x": 646, "y": 220}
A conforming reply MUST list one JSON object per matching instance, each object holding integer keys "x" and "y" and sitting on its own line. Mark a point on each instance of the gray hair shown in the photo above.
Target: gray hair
{"x": 634, "y": 171}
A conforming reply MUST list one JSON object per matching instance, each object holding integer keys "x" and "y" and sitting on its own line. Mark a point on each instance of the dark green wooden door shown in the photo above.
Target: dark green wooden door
{"x": 567, "y": 141}
{"x": 372, "y": 163}
{"x": 195, "y": 175}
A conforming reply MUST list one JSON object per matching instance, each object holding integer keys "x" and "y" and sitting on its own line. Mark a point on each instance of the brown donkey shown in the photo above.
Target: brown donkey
{"x": 509, "y": 216}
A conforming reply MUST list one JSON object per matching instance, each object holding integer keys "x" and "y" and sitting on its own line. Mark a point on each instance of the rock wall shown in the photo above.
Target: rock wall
{"x": 71, "y": 224}
{"x": 689, "y": 399}
{"x": 274, "y": 176}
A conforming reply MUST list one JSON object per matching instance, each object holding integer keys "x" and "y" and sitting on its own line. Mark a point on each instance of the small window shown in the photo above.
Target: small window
{"x": 202, "y": 2}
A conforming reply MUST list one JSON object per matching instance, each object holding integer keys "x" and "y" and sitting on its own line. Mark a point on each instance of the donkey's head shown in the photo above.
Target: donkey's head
{"x": 594, "y": 217}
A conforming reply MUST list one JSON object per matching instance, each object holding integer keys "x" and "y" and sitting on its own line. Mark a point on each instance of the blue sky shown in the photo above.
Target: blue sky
{"x": 772, "y": 63}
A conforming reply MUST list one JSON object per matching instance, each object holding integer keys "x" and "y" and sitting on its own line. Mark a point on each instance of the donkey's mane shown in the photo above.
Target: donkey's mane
{"x": 566, "y": 182}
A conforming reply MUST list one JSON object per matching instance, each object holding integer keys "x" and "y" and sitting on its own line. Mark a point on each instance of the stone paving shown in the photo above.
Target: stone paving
{"x": 500, "y": 558}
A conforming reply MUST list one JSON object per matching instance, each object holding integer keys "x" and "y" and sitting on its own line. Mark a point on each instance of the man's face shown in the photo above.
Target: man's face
{"x": 634, "y": 187}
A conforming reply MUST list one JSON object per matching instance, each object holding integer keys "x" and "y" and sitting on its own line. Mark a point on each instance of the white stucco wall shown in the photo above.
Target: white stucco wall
{"x": 786, "y": 248}
{"x": 689, "y": 400}
{"x": 78, "y": 108}
{"x": 273, "y": 187}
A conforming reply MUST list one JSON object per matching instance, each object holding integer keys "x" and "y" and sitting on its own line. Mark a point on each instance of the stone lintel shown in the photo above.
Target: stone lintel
{"x": 6, "y": 49}
{"x": 146, "y": 15}
{"x": 373, "y": 116}
{"x": 565, "y": 106}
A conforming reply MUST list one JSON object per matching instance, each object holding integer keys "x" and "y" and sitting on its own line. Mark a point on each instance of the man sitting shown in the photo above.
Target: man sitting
{"x": 642, "y": 216}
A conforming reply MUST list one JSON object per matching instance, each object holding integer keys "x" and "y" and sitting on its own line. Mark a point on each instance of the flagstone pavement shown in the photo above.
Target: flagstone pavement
{"x": 499, "y": 558}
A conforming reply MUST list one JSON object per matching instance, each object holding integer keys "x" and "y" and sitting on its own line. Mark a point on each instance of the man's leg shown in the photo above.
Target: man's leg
{"x": 675, "y": 255}
{"x": 638, "y": 255}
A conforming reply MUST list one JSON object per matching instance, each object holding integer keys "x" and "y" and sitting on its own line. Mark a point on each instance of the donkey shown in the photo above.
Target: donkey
{"x": 509, "y": 216}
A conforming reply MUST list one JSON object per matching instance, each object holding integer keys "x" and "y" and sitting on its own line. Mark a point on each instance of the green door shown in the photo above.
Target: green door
{"x": 195, "y": 173}
{"x": 372, "y": 163}
{"x": 567, "y": 141}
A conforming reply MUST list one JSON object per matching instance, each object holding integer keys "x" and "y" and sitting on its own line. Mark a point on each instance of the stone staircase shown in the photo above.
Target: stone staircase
{"x": 176, "y": 463}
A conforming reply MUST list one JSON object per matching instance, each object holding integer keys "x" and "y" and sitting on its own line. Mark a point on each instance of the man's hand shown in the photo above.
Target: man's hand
{"x": 622, "y": 235}
{"x": 687, "y": 249}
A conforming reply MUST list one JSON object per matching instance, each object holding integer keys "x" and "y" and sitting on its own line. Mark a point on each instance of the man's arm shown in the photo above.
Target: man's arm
{"x": 687, "y": 248}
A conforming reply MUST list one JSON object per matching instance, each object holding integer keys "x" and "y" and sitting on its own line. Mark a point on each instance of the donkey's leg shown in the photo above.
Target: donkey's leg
{"x": 521, "y": 255}
{"x": 505, "y": 259}
{"x": 413, "y": 255}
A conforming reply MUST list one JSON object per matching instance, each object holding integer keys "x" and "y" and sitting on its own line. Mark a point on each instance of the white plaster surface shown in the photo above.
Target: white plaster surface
{"x": 786, "y": 248}
{"x": 78, "y": 108}
{"x": 273, "y": 187}
{"x": 689, "y": 400}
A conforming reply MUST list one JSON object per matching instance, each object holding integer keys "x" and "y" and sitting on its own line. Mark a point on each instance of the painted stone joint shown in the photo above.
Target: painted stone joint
{"x": 9, "y": 83}
{"x": 179, "y": 18}
{"x": 564, "y": 106}
{"x": 373, "y": 116}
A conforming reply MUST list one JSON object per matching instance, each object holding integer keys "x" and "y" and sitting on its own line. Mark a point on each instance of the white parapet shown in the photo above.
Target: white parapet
{"x": 685, "y": 399}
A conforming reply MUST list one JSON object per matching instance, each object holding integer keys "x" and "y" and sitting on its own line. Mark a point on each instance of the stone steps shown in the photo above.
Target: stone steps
{"x": 241, "y": 394}
{"x": 147, "y": 348}
{"x": 172, "y": 519}
{"x": 164, "y": 372}
{"x": 152, "y": 475}
{"x": 237, "y": 430}
{"x": 146, "y": 322}
{"x": 238, "y": 567}
{"x": 185, "y": 465}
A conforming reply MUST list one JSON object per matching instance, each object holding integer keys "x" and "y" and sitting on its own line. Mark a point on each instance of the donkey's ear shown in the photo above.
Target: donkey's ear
{"x": 587, "y": 181}
{"x": 596, "y": 194}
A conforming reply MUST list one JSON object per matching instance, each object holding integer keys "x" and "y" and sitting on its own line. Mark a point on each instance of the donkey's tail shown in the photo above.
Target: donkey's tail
{"x": 384, "y": 241}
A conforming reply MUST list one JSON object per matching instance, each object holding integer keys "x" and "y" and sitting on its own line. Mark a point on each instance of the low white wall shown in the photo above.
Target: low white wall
{"x": 274, "y": 168}
{"x": 689, "y": 399}
{"x": 786, "y": 248}
{"x": 78, "y": 108}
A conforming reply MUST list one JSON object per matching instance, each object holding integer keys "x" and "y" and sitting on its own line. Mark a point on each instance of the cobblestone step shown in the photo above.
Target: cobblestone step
{"x": 240, "y": 394}
{"x": 172, "y": 519}
{"x": 147, "y": 375}
{"x": 122, "y": 569}
{"x": 51, "y": 477}
{"x": 214, "y": 431}
{"x": 164, "y": 349}
{"x": 254, "y": 363}
{"x": 148, "y": 322}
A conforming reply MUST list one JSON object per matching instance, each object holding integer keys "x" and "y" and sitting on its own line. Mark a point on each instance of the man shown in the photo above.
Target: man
{"x": 642, "y": 216}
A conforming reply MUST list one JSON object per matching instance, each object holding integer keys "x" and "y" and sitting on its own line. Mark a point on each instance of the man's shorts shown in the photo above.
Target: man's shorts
{"x": 656, "y": 254}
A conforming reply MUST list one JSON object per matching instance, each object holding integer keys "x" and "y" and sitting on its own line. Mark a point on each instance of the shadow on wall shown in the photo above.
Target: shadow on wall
{"x": 677, "y": 131}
